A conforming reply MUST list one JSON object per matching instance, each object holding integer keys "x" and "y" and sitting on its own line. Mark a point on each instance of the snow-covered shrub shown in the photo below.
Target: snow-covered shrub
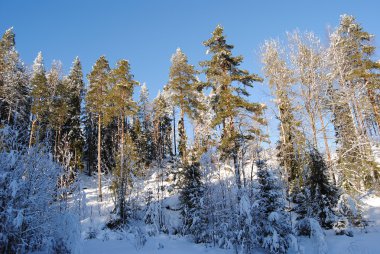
{"x": 310, "y": 227}
{"x": 139, "y": 237}
{"x": 350, "y": 215}
{"x": 32, "y": 215}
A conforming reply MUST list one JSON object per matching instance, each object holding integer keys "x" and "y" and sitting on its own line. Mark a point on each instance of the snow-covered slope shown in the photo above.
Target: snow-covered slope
{"x": 96, "y": 238}
{"x": 365, "y": 240}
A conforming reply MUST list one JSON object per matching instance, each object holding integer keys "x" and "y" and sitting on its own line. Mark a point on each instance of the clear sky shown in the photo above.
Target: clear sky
{"x": 147, "y": 33}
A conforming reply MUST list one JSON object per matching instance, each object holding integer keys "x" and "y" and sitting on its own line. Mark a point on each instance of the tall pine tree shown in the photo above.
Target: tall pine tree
{"x": 97, "y": 104}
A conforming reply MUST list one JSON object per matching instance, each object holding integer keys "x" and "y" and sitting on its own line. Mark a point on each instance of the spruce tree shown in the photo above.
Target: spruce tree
{"x": 97, "y": 104}
{"x": 322, "y": 195}
{"x": 351, "y": 70}
{"x": 75, "y": 88}
{"x": 14, "y": 89}
{"x": 191, "y": 197}
{"x": 273, "y": 224}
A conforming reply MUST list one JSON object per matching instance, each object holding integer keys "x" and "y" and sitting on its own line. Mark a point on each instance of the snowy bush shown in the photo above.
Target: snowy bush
{"x": 32, "y": 215}
{"x": 310, "y": 227}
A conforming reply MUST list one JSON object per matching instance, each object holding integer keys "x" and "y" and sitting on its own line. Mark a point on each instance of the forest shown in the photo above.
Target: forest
{"x": 197, "y": 161}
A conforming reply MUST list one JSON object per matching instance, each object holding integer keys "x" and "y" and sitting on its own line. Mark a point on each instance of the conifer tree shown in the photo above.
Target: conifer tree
{"x": 182, "y": 93}
{"x": 145, "y": 140}
{"x": 58, "y": 105}
{"x": 14, "y": 89}
{"x": 122, "y": 107}
{"x": 97, "y": 103}
{"x": 318, "y": 197}
{"x": 40, "y": 99}
{"x": 273, "y": 227}
{"x": 351, "y": 68}
{"x": 75, "y": 89}
{"x": 191, "y": 197}
{"x": 162, "y": 127}
{"x": 228, "y": 84}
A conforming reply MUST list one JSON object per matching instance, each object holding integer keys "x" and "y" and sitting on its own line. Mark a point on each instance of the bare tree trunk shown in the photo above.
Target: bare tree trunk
{"x": 122, "y": 193}
{"x": 32, "y": 130}
{"x": 99, "y": 159}
{"x": 332, "y": 175}
{"x": 174, "y": 136}
{"x": 328, "y": 153}
{"x": 9, "y": 115}
{"x": 313, "y": 127}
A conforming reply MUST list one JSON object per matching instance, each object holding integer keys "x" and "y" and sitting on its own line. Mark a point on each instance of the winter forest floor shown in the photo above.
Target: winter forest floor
{"x": 136, "y": 240}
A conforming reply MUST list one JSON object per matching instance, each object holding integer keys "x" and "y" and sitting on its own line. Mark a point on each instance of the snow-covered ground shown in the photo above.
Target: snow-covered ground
{"x": 136, "y": 239}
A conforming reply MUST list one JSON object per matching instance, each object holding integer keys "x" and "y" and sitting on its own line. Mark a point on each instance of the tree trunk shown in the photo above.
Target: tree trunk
{"x": 122, "y": 193}
{"x": 99, "y": 159}
{"x": 32, "y": 130}
{"x": 332, "y": 176}
{"x": 9, "y": 115}
{"x": 174, "y": 136}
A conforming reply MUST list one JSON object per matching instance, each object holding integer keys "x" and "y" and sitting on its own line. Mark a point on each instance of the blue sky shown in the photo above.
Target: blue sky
{"x": 147, "y": 33}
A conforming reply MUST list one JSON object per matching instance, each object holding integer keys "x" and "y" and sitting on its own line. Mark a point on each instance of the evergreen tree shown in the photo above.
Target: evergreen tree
{"x": 273, "y": 229}
{"x": 14, "y": 89}
{"x": 228, "y": 84}
{"x": 122, "y": 107}
{"x": 40, "y": 100}
{"x": 162, "y": 127}
{"x": 191, "y": 197}
{"x": 97, "y": 104}
{"x": 319, "y": 197}
{"x": 182, "y": 93}
{"x": 58, "y": 108}
{"x": 351, "y": 68}
{"x": 75, "y": 88}
{"x": 145, "y": 138}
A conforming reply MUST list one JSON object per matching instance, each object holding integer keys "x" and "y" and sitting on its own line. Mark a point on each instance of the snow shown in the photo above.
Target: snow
{"x": 132, "y": 241}
{"x": 141, "y": 238}
{"x": 161, "y": 244}
{"x": 365, "y": 240}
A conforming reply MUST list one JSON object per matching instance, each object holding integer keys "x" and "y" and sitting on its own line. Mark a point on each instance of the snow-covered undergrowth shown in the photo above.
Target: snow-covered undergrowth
{"x": 139, "y": 237}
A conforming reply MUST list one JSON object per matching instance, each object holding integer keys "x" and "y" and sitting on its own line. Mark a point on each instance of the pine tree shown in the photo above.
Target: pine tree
{"x": 122, "y": 107}
{"x": 182, "y": 93}
{"x": 58, "y": 106}
{"x": 40, "y": 100}
{"x": 97, "y": 103}
{"x": 228, "y": 84}
{"x": 145, "y": 140}
{"x": 162, "y": 127}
